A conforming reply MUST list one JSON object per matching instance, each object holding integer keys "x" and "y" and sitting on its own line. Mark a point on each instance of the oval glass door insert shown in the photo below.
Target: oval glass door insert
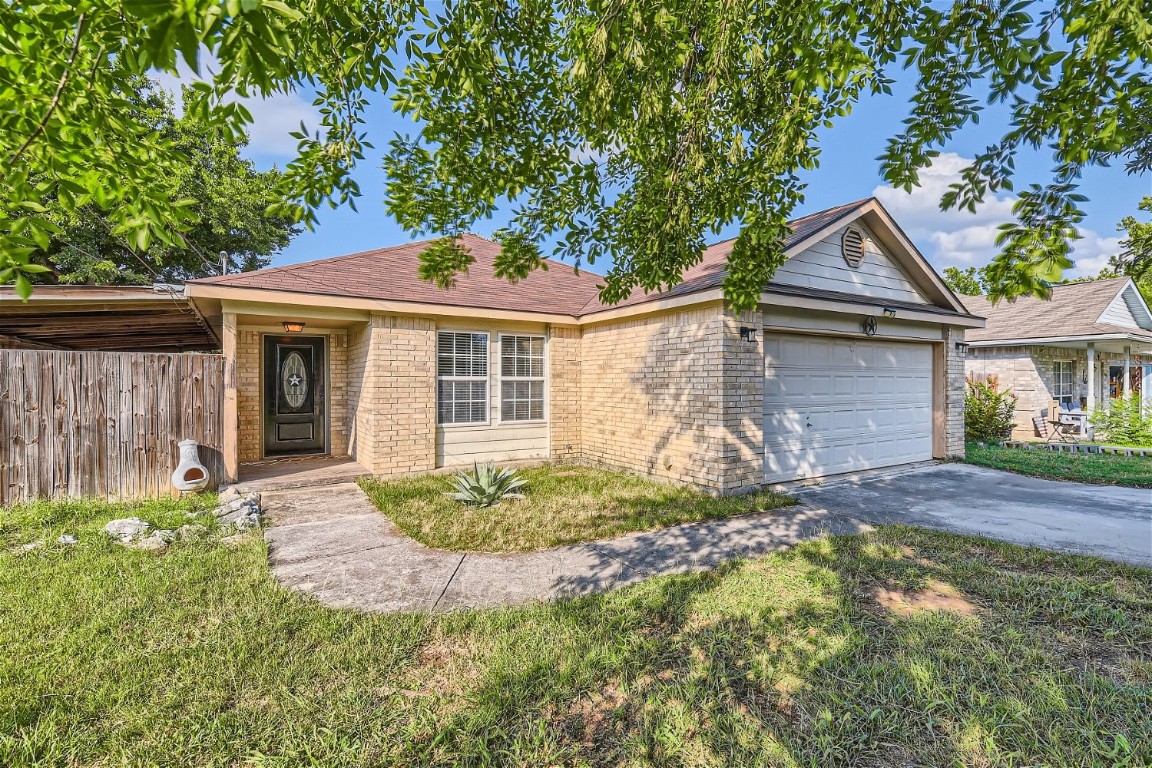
{"x": 294, "y": 380}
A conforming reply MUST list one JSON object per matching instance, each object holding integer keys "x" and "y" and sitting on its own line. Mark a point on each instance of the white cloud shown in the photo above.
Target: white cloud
{"x": 963, "y": 239}
{"x": 273, "y": 118}
{"x": 1091, "y": 253}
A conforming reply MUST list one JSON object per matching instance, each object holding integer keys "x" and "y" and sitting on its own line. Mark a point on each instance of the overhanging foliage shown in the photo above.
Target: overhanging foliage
{"x": 627, "y": 130}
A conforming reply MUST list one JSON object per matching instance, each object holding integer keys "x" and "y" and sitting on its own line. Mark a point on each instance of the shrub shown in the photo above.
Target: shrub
{"x": 487, "y": 486}
{"x": 988, "y": 411}
{"x": 1122, "y": 423}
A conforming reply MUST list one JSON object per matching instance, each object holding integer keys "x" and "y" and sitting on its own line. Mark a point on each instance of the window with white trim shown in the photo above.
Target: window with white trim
{"x": 521, "y": 378}
{"x": 1062, "y": 380}
{"x": 461, "y": 377}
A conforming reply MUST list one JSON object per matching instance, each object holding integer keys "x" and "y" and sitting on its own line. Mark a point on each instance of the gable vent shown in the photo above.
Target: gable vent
{"x": 852, "y": 244}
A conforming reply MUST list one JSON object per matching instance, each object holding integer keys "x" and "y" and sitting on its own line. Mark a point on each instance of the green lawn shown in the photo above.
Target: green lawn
{"x": 1107, "y": 469}
{"x": 898, "y": 648}
{"x": 563, "y": 505}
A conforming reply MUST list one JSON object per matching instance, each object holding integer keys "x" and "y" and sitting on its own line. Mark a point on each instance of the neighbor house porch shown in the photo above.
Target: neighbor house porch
{"x": 1083, "y": 373}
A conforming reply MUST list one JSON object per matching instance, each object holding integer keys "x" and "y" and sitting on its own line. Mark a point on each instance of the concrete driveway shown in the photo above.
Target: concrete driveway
{"x": 1073, "y": 517}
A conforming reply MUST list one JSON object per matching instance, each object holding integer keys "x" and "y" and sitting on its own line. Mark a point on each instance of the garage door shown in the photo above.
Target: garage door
{"x": 835, "y": 405}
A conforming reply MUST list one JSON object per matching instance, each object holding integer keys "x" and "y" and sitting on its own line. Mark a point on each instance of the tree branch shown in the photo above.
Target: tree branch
{"x": 55, "y": 102}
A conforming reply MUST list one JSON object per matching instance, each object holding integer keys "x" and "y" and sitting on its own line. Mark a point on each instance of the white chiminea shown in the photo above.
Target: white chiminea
{"x": 190, "y": 474}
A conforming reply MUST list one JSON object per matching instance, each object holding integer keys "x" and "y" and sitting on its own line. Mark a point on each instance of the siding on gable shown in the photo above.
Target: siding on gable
{"x": 1119, "y": 312}
{"x": 822, "y": 266}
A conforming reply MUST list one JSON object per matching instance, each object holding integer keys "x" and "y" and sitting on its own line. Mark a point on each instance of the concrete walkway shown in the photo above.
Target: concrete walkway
{"x": 1101, "y": 520}
{"x": 332, "y": 543}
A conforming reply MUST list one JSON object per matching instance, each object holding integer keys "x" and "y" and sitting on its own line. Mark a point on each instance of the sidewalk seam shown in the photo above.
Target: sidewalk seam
{"x": 447, "y": 584}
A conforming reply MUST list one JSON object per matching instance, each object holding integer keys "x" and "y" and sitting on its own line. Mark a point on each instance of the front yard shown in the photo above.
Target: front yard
{"x": 1107, "y": 469}
{"x": 902, "y": 647}
{"x": 562, "y": 505}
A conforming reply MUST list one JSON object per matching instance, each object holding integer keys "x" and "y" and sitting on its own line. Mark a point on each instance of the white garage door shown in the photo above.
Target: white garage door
{"x": 835, "y": 405}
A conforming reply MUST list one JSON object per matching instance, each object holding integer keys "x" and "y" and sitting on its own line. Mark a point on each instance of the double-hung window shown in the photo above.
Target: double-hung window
{"x": 461, "y": 377}
{"x": 1062, "y": 380}
{"x": 521, "y": 378}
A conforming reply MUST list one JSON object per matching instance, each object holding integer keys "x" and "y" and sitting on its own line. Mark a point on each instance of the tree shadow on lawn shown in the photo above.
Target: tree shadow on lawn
{"x": 799, "y": 659}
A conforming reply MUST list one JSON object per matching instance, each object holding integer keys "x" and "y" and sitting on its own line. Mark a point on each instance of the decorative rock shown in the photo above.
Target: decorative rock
{"x": 29, "y": 546}
{"x": 127, "y": 529}
{"x": 235, "y": 539}
{"x": 247, "y": 522}
{"x": 227, "y": 494}
{"x": 166, "y": 535}
{"x": 67, "y": 539}
{"x": 153, "y": 543}
{"x": 191, "y": 531}
{"x": 242, "y": 512}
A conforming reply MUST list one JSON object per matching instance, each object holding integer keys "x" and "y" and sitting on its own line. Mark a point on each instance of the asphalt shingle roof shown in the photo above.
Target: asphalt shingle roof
{"x": 390, "y": 274}
{"x": 1072, "y": 311}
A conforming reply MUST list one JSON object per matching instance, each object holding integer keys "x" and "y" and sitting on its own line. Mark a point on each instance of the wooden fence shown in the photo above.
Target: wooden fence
{"x": 105, "y": 424}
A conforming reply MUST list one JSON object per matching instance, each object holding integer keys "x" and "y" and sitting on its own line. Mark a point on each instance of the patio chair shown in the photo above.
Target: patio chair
{"x": 1040, "y": 423}
{"x": 1053, "y": 430}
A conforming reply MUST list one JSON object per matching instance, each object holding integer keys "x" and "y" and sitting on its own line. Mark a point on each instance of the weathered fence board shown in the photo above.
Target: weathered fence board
{"x": 104, "y": 424}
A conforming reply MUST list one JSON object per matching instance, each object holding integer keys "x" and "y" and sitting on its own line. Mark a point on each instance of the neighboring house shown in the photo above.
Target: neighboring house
{"x": 1091, "y": 342}
{"x": 854, "y": 360}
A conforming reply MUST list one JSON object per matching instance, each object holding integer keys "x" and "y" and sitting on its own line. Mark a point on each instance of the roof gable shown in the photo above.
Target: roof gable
{"x": 822, "y": 266}
{"x": 906, "y": 264}
{"x": 709, "y": 273}
{"x": 1127, "y": 310}
{"x": 1075, "y": 309}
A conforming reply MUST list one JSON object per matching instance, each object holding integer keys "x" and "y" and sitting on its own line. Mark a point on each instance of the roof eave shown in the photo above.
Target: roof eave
{"x": 1025, "y": 342}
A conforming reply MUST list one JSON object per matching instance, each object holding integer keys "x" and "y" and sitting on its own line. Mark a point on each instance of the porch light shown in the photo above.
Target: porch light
{"x": 962, "y": 347}
{"x": 293, "y": 326}
{"x": 889, "y": 312}
{"x": 747, "y": 334}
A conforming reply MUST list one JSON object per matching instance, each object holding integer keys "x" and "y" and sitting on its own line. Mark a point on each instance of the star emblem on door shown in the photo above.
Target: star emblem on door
{"x": 295, "y": 380}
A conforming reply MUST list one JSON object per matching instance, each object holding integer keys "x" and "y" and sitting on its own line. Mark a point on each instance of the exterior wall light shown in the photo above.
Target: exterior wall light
{"x": 889, "y": 312}
{"x": 293, "y": 326}
{"x": 747, "y": 334}
{"x": 962, "y": 347}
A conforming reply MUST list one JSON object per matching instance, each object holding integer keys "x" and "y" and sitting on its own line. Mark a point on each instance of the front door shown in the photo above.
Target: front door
{"x": 294, "y": 378}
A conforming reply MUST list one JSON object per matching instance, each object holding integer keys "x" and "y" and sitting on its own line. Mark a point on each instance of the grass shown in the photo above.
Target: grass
{"x": 563, "y": 505}
{"x": 901, "y": 647}
{"x": 1103, "y": 469}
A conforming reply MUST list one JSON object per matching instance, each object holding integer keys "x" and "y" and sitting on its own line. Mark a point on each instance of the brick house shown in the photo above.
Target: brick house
{"x": 854, "y": 360}
{"x": 1092, "y": 342}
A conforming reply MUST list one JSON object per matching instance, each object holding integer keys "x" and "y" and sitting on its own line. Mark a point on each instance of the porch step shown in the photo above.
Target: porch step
{"x": 282, "y": 474}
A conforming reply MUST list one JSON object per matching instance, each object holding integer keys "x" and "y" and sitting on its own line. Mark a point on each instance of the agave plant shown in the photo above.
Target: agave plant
{"x": 487, "y": 486}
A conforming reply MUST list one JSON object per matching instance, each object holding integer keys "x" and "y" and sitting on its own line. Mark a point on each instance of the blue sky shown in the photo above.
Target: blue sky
{"x": 848, "y": 171}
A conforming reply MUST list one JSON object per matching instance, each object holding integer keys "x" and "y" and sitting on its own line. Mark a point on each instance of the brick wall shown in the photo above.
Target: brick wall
{"x": 249, "y": 440}
{"x": 674, "y": 396}
{"x": 564, "y": 393}
{"x": 740, "y": 444}
{"x": 954, "y": 393}
{"x": 394, "y": 395}
{"x": 338, "y": 416}
{"x": 360, "y": 444}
